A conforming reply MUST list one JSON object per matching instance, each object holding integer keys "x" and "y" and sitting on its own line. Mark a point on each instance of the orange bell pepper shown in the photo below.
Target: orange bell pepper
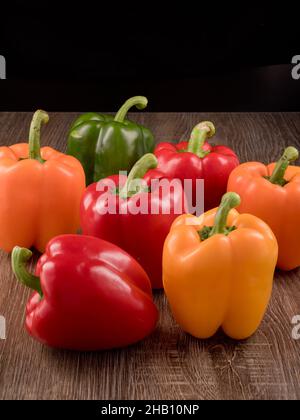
{"x": 40, "y": 192}
{"x": 218, "y": 271}
{"x": 272, "y": 193}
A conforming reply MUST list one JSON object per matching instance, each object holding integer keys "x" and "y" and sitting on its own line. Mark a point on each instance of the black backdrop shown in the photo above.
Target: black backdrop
{"x": 91, "y": 56}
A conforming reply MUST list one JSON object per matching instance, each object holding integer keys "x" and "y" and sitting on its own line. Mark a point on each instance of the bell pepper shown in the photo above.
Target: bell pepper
{"x": 88, "y": 295}
{"x": 106, "y": 145}
{"x": 197, "y": 159}
{"x": 272, "y": 193}
{"x": 40, "y": 191}
{"x": 140, "y": 232}
{"x": 218, "y": 271}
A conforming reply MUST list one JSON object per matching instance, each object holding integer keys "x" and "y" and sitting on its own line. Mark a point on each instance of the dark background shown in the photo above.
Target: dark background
{"x": 91, "y": 56}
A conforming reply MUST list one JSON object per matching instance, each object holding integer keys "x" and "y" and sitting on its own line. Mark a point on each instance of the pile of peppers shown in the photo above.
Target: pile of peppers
{"x": 92, "y": 286}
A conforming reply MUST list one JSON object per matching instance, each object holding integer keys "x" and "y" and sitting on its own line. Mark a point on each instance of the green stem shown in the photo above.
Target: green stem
{"x": 139, "y": 101}
{"x": 290, "y": 154}
{"x": 40, "y": 117}
{"x": 19, "y": 257}
{"x": 148, "y": 161}
{"x": 200, "y": 133}
{"x": 228, "y": 202}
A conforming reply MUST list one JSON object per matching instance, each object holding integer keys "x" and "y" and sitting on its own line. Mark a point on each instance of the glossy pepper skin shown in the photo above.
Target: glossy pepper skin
{"x": 219, "y": 276}
{"x": 89, "y": 295}
{"x": 272, "y": 193}
{"x": 40, "y": 192}
{"x": 105, "y": 144}
{"x": 141, "y": 235}
{"x": 197, "y": 159}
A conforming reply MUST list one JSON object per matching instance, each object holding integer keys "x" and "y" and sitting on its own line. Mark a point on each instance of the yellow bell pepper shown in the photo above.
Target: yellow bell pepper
{"x": 218, "y": 271}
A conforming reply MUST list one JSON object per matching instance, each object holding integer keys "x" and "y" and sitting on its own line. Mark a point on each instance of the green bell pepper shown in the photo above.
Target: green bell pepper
{"x": 106, "y": 145}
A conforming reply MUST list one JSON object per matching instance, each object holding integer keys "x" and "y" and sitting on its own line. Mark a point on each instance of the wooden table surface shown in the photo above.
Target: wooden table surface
{"x": 169, "y": 364}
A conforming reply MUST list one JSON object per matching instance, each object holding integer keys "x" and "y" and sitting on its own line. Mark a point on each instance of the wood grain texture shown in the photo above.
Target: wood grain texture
{"x": 170, "y": 364}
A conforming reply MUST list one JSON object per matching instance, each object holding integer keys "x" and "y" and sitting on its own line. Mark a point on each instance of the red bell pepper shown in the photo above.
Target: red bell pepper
{"x": 89, "y": 295}
{"x": 197, "y": 159}
{"x": 141, "y": 234}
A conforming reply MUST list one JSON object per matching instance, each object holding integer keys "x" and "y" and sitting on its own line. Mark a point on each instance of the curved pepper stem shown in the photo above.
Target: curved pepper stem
{"x": 139, "y": 101}
{"x": 40, "y": 117}
{"x": 290, "y": 154}
{"x": 142, "y": 166}
{"x": 19, "y": 257}
{"x": 200, "y": 133}
{"x": 228, "y": 202}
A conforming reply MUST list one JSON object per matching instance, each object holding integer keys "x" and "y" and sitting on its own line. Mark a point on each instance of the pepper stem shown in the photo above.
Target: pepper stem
{"x": 19, "y": 257}
{"x": 139, "y": 101}
{"x": 200, "y": 133}
{"x": 228, "y": 202}
{"x": 148, "y": 161}
{"x": 40, "y": 117}
{"x": 290, "y": 154}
